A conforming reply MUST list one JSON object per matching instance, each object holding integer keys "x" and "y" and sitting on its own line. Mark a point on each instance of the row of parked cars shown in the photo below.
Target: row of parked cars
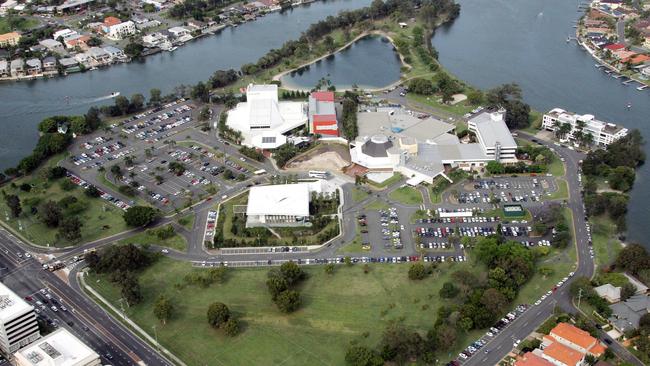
{"x": 99, "y": 152}
{"x": 541, "y": 243}
{"x": 210, "y": 225}
{"x": 155, "y": 124}
{"x": 85, "y": 185}
{"x": 458, "y": 220}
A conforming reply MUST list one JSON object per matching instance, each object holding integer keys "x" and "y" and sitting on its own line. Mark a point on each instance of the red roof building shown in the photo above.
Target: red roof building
{"x": 615, "y": 46}
{"x": 322, "y": 114}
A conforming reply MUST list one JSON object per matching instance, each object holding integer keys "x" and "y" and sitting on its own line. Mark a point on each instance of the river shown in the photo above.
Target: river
{"x": 370, "y": 63}
{"x": 24, "y": 104}
{"x": 499, "y": 41}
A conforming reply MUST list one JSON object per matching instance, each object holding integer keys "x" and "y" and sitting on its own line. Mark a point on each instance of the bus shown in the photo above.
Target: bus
{"x": 259, "y": 172}
{"x": 317, "y": 174}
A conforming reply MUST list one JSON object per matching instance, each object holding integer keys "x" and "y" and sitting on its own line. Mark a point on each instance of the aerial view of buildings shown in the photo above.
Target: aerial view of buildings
{"x": 243, "y": 216}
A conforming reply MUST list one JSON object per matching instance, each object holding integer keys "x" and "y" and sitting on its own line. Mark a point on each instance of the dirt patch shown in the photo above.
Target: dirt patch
{"x": 328, "y": 157}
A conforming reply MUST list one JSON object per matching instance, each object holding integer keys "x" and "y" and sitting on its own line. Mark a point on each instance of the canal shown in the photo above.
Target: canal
{"x": 369, "y": 63}
{"x": 499, "y": 41}
{"x": 24, "y": 104}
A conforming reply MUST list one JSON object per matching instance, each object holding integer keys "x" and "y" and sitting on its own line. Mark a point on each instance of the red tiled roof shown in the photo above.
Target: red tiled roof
{"x": 574, "y": 335}
{"x": 564, "y": 354}
{"x": 323, "y": 96}
{"x": 325, "y": 118}
{"x": 531, "y": 359}
{"x": 109, "y": 21}
{"x": 615, "y": 46}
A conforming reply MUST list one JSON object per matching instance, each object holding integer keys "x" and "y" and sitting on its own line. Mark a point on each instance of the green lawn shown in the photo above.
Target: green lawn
{"x": 187, "y": 221}
{"x": 419, "y": 214}
{"x": 99, "y": 218}
{"x": 388, "y": 182}
{"x": 556, "y": 167}
{"x": 353, "y": 247}
{"x": 176, "y": 242}
{"x": 359, "y": 194}
{"x": 336, "y": 309}
{"x": 498, "y": 212}
{"x": 406, "y": 195}
{"x": 16, "y": 23}
{"x": 562, "y": 192}
{"x": 432, "y": 100}
{"x": 376, "y": 205}
{"x": 606, "y": 245}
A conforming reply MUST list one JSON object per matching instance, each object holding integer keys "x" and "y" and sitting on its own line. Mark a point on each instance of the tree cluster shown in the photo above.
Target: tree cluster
{"x": 281, "y": 284}
{"x": 140, "y": 215}
{"x": 123, "y": 106}
{"x": 509, "y": 96}
{"x": 349, "y": 125}
{"x": 252, "y": 153}
{"x": 582, "y": 287}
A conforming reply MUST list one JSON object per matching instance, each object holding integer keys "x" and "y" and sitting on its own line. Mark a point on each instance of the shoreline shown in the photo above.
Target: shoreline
{"x": 279, "y": 76}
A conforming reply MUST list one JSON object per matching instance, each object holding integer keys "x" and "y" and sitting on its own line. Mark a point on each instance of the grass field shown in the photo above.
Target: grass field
{"x": 606, "y": 245}
{"x": 336, "y": 309}
{"x": 432, "y": 100}
{"x": 16, "y": 24}
{"x": 187, "y": 221}
{"x": 499, "y": 212}
{"x": 556, "y": 167}
{"x": 562, "y": 192}
{"x": 406, "y": 195}
{"x": 176, "y": 242}
{"x": 99, "y": 218}
{"x": 358, "y": 194}
{"x": 376, "y": 205}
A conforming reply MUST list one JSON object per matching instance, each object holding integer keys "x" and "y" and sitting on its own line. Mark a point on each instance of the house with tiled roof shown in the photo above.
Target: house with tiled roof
{"x": 626, "y": 314}
{"x": 609, "y": 292}
{"x": 561, "y": 355}
{"x": 574, "y": 338}
{"x": 531, "y": 359}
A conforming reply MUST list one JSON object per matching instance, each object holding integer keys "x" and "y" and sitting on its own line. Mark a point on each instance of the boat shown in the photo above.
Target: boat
{"x": 629, "y": 105}
{"x": 173, "y": 49}
{"x": 642, "y": 87}
{"x": 114, "y": 94}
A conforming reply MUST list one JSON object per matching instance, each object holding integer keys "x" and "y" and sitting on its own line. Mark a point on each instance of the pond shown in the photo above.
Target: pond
{"x": 370, "y": 63}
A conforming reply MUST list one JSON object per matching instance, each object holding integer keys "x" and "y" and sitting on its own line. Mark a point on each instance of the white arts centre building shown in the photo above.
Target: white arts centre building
{"x": 263, "y": 119}
{"x": 18, "y": 326}
{"x": 424, "y": 148}
{"x": 60, "y": 348}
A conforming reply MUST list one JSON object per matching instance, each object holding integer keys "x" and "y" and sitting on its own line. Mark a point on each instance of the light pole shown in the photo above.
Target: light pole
{"x": 156, "y": 335}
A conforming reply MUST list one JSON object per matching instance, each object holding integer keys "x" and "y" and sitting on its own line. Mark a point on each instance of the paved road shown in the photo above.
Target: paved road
{"x": 530, "y": 320}
{"x": 115, "y": 344}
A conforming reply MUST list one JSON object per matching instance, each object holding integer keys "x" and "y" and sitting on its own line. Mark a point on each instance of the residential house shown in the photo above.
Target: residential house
{"x": 99, "y": 56}
{"x": 156, "y": 39}
{"x": 73, "y": 6}
{"x": 115, "y": 53}
{"x": 52, "y": 45}
{"x": 78, "y": 40}
{"x": 180, "y": 34}
{"x": 626, "y": 314}
{"x": 197, "y": 25}
{"x": 646, "y": 71}
{"x": 82, "y": 58}
{"x": 49, "y": 64}
{"x": 609, "y": 292}
{"x": 9, "y": 39}
{"x": 531, "y": 359}
{"x": 121, "y": 30}
{"x": 574, "y": 338}
{"x": 34, "y": 66}
{"x": 69, "y": 63}
{"x": 561, "y": 355}
{"x": 109, "y": 22}
{"x": 64, "y": 33}
{"x": 7, "y": 5}
{"x": 640, "y": 287}
{"x": 17, "y": 67}
{"x": 5, "y": 71}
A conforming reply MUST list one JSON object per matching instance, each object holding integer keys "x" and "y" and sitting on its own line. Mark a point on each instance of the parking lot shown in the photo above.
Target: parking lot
{"x": 158, "y": 165}
{"x": 488, "y": 191}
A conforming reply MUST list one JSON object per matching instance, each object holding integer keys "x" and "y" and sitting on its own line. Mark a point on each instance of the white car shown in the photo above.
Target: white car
{"x": 538, "y": 302}
{"x": 516, "y": 343}
{"x": 165, "y": 251}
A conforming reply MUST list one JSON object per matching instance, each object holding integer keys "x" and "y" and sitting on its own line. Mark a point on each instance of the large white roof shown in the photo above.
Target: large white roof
{"x": 59, "y": 348}
{"x": 280, "y": 199}
{"x": 492, "y": 128}
{"x": 11, "y": 305}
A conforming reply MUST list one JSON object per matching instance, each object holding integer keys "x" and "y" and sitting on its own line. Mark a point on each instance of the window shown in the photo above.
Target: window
{"x": 268, "y": 140}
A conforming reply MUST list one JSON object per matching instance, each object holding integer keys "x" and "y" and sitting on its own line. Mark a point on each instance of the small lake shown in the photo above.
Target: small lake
{"x": 370, "y": 63}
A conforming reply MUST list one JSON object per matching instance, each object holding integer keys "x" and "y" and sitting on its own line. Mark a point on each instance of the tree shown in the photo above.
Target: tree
{"x": 154, "y": 97}
{"x": 92, "y": 191}
{"x": 70, "y": 228}
{"x": 628, "y": 290}
{"x": 475, "y": 97}
{"x": 204, "y": 114}
{"x": 422, "y": 86}
{"x": 13, "y": 202}
{"x": 231, "y": 328}
{"x": 362, "y": 356}
{"x": 448, "y": 290}
{"x": 621, "y": 178}
{"x": 218, "y": 314}
{"x": 163, "y": 309}
{"x": 201, "y": 92}
{"x": 276, "y": 284}
{"x": 417, "y": 271}
{"x": 291, "y": 272}
{"x": 50, "y": 213}
{"x": 122, "y": 104}
{"x": 140, "y": 215}
{"x": 288, "y": 301}
{"x": 137, "y": 102}
{"x": 133, "y": 50}
{"x": 494, "y": 301}
{"x": 329, "y": 268}
{"x": 131, "y": 291}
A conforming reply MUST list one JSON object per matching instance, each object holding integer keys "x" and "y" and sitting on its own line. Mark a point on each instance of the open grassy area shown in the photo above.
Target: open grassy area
{"x": 359, "y": 194}
{"x": 498, "y": 212}
{"x": 406, "y": 195}
{"x": 176, "y": 242}
{"x": 562, "y": 192}
{"x": 376, "y": 205}
{"x": 99, "y": 217}
{"x": 459, "y": 109}
{"x": 187, "y": 221}
{"x": 336, "y": 309}
{"x": 15, "y": 23}
{"x": 606, "y": 245}
{"x": 556, "y": 167}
